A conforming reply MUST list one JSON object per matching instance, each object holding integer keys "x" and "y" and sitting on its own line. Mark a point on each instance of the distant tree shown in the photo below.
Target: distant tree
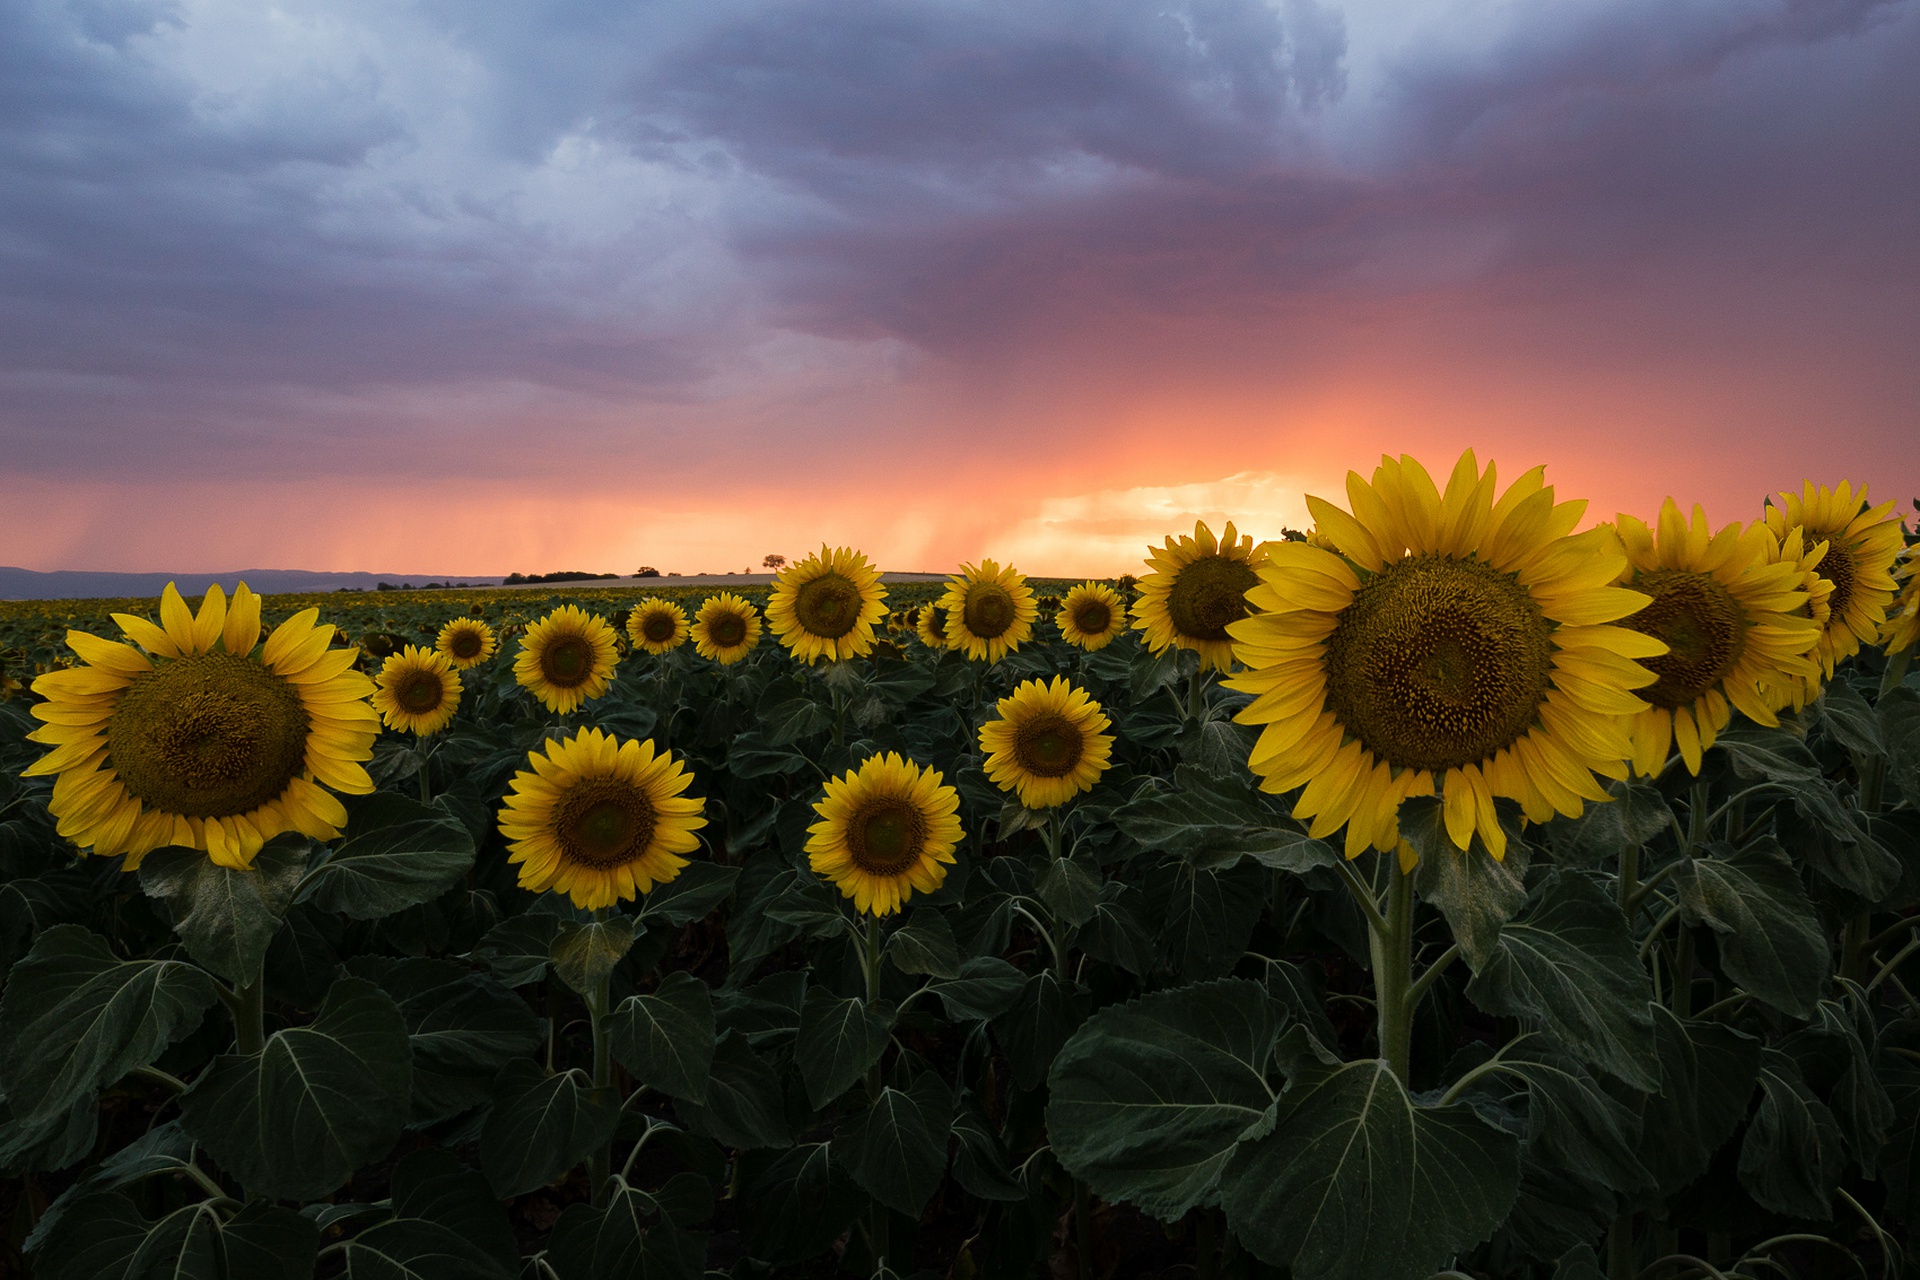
{"x": 775, "y": 562}
{"x": 647, "y": 571}
{"x": 514, "y": 578}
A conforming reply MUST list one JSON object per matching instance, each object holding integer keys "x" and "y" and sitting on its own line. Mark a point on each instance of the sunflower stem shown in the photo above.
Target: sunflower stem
{"x": 1197, "y": 692}
{"x": 1621, "y": 1263}
{"x": 877, "y": 1220}
{"x": 250, "y": 1017}
{"x": 426, "y": 778}
{"x": 1856, "y": 940}
{"x": 1629, "y": 881}
{"x": 1392, "y": 949}
{"x": 1083, "y": 1228}
{"x": 600, "y": 1164}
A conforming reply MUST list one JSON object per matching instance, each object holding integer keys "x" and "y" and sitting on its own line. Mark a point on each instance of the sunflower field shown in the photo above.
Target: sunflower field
{"x": 1448, "y": 890}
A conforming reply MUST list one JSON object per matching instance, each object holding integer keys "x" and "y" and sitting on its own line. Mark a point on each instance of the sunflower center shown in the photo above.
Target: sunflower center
{"x": 1049, "y": 746}
{"x": 727, "y": 630}
{"x": 1208, "y": 595}
{"x": 604, "y": 823}
{"x": 567, "y": 662}
{"x": 988, "y": 611}
{"x": 208, "y": 736}
{"x": 886, "y": 837}
{"x": 1438, "y": 662}
{"x": 658, "y": 628}
{"x": 465, "y": 644}
{"x": 1092, "y": 616}
{"x": 1837, "y": 567}
{"x": 1704, "y": 628}
{"x": 829, "y": 606}
{"x": 420, "y": 692}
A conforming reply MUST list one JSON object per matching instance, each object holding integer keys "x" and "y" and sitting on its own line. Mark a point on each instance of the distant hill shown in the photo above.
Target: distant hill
{"x": 65, "y": 584}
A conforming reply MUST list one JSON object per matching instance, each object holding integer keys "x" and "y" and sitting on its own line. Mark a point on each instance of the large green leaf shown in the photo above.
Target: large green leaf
{"x": 295, "y": 1120}
{"x": 925, "y": 944}
{"x": 445, "y": 1225}
{"x": 1215, "y": 822}
{"x": 1842, "y": 852}
{"x": 637, "y": 1236}
{"x": 986, "y": 988}
{"x": 1149, "y": 1098}
{"x": 1899, "y": 711}
{"x": 518, "y": 950}
{"x": 159, "y": 1149}
{"x": 398, "y": 853}
{"x": 463, "y": 1026}
{"x": 585, "y": 952}
{"x": 692, "y": 895}
{"x": 1636, "y": 814}
{"x": 896, "y": 1150}
{"x": 1707, "y": 1075}
{"x": 1778, "y": 755}
{"x": 1206, "y": 917}
{"x": 1579, "y": 1125}
{"x": 1116, "y": 934}
{"x": 839, "y": 1039}
{"x": 542, "y": 1125}
{"x": 1033, "y": 1028}
{"x": 226, "y": 917}
{"x": 666, "y": 1039}
{"x": 1834, "y": 1059}
{"x": 106, "y": 1237}
{"x": 1772, "y": 942}
{"x": 1849, "y": 720}
{"x": 795, "y": 1203}
{"x": 980, "y": 1161}
{"x": 1476, "y": 893}
{"x": 1792, "y": 1158}
{"x": 1568, "y": 964}
{"x": 75, "y": 1017}
{"x": 1070, "y": 888}
{"x": 1357, "y": 1182}
{"x": 744, "y": 1107}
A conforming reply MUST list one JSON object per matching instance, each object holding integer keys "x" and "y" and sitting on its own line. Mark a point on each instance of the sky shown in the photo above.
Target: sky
{"x": 464, "y": 287}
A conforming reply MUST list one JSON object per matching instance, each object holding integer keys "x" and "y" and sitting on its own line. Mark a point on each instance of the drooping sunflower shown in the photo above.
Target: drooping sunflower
{"x": 1902, "y": 627}
{"x": 1733, "y": 618}
{"x": 208, "y": 740}
{"x": 726, "y": 628}
{"x": 931, "y": 626}
{"x": 566, "y": 658}
{"x": 657, "y": 626}
{"x": 886, "y": 829}
{"x": 990, "y": 611}
{"x": 1048, "y": 745}
{"x": 466, "y": 643}
{"x": 600, "y": 819}
{"x": 1862, "y": 543}
{"x": 1091, "y": 616}
{"x": 417, "y": 691}
{"x": 1198, "y": 588}
{"x": 1456, "y": 644}
{"x": 825, "y": 606}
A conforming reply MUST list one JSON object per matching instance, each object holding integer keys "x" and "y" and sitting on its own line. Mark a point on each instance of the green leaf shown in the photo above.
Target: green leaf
{"x": 1849, "y": 720}
{"x": 161, "y": 1148}
{"x": 48, "y": 1140}
{"x": 1579, "y": 1263}
{"x": 1899, "y": 1161}
{"x": 1476, "y": 893}
{"x": 745, "y": 1107}
{"x": 295, "y": 1120}
{"x": 446, "y": 1225}
{"x": 1116, "y": 934}
{"x": 924, "y": 944}
{"x": 788, "y": 715}
{"x": 1568, "y": 964}
{"x": 1579, "y": 1125}
{"x": 1778, "y": 755}
{"x": 794, "y": 1204}
{"x": 225, "y": 917}
{"x": 1637, "y": 813}
{"x": 1150, "y": 1098}
{"x": 1899, "y": 711}
{"x": 1033, "y": 1028}
{"x": 519, "y": 949}
{"x": 896, "y": 1150}
{"x": 1218, "y": 746}
{"x": 542, "y": 1125}
{"x": 1070, "y": 888}
{"x": 1707, "y": 1074}
{"x": 765, "y": 1012}
{"x": 1793, "y": 1157}
{"x": 76, "y": 1017}
{"x": 463, "y": 1027}
{"x": 106, "y": 1236}
{"x": 980, "y": 1162}
{"x": 986, "y": 988}
{"x": 1216, "y": 822}
{"x": 1841, "y": 852}
{"x": 1206, "y": 917}
{"x": 1772, "y": 942}
{"x": 1834, "y": 1060}
{"x": 584, "y": 953}
{"x": 692, "y": 895}
{"x": 633, "y": 1238}
{"x": 666, "y": 1039}
{"x": 1356, "y": 1182}
{"x": 398, "y": 853}
{"x": 839, "y": 1039}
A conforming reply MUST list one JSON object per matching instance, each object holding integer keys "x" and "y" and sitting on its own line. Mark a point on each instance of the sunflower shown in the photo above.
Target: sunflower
{"x": 825, "y": 606}
{"x": 466, "y": 642}
{"x": 990, "y": 611}
{"x": 1091, "y": 616}
{"x": 931, "y": 626}
{"x": 1047, "y": 746}
{"x": 1455, "y": 643}
{"x": 566, "y": 658}
{"x": 726, "y": 629}
{"x": 1733, "y": 618}
{"x": 1862, "y": 544}
{"x": 657, "y": 626}
{"x": 1902, "y": 626}
{"x": 1198, "y": 588}
{"x": 1787, "y": 689}
{"x": 886, "y": 829}
{"x": 203, "y": 741}
{"x": 417, "y": 691}
{"x": 599, "y": 819}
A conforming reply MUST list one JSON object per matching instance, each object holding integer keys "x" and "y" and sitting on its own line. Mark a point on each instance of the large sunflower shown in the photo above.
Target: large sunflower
{"x": 886, "y": 829}
{"x": 1862, "y": 543}
{"x": 1733, "y": 618}
{"x": 1047, "y": 746}
{"x": 599, "y": 819}
{"x": 1091, "y": 616}
{"x": 1457, "y": 643}
{"x": 930, "y": 624}
{"x": 657, "y": 626}
{"x": 417, "y": 691}
{"x": 1902, "y": 627}
{"x": 466, "y": 642}
{"x": 205, "y": 741}
{"x": 726, "y": 628}
{"x": 825, "y": 606}
{"x": 1198, "y": 588}
{"x": 990, "y": 611}
{"x": 566, "y": 658}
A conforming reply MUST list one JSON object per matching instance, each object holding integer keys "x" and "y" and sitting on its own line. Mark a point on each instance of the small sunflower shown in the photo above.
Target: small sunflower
{"x": 466, "y": 643}
{"x": 1862, "y": 544}
{"x": 726, "y": 629}
{"x": 990, "y": 611}
{"x": 1733, "y": 618}
{"x": 417, "y": 691}
{"x": 204, "y": 741}
{"x": 825, "y": 606}
{"x": 1091, "y": 616}
{"x": 566, "y": 658}
{"x": 599, "y": 819}
{"x": 1902, "y": 627}
{"x": 931, "y": 626}
{"x": 886, "y": 829}
{"x": 1456, "y": 644}
{"x": 657, "y": 626}
{"x": 1198, "y": 588}
{"x": 1047, "y": 746}
{"x": 1785, "y": 689}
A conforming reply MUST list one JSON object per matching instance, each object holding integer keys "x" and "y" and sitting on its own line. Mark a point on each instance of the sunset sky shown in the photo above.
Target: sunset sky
{"x": 455, "y": 287}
